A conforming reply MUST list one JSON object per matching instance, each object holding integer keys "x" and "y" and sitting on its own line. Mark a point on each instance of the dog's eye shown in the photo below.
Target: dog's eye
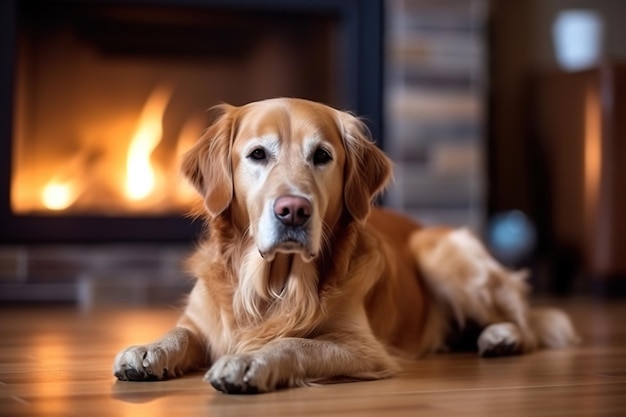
{"x": 258, "y": 154}
{"x": 321, "y": 157}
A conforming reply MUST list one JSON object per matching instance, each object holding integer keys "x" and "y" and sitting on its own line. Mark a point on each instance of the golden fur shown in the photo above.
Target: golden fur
{"x": 301, "y": 280}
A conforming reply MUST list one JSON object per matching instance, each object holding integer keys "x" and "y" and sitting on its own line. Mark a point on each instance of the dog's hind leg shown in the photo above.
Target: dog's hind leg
{"x": 472, "y": 287}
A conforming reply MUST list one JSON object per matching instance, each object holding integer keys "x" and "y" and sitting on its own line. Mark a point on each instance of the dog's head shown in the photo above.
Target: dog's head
{"x": 287, "y": 170}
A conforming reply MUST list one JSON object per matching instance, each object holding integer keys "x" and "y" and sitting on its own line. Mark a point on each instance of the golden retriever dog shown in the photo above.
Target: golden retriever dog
{"x": 301, "y": 280}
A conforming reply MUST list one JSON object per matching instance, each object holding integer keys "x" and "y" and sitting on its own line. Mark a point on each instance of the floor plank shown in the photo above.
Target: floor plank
{"x": 57, "y": 362}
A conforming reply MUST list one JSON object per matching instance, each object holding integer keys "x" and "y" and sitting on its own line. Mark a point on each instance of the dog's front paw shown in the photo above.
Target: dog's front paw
{"x": 141, "y": 363}
{"x": 242, "y": 374}
{"x": 500, "y": 339}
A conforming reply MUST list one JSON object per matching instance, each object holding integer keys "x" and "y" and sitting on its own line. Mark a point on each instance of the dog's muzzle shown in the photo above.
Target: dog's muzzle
{"x": 291, "y": 227}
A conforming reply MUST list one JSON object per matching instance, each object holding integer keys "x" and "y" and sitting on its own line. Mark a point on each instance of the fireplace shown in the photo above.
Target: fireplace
{"x": 100, "y": 98}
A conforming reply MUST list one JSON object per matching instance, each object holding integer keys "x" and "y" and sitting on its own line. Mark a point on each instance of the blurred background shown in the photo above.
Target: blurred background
{"x": 507, "y": 117}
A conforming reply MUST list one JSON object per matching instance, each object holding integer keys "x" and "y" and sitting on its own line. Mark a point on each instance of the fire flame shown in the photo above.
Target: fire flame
{"x": 140, "y": 175}
{"x": 76, "y": 181}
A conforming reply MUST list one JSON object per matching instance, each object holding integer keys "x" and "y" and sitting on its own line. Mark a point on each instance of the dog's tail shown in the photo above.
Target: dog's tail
{"x": 553, "y": 328}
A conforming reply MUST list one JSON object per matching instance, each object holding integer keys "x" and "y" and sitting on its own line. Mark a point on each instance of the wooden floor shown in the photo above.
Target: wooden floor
{"x": 57, "y": 362}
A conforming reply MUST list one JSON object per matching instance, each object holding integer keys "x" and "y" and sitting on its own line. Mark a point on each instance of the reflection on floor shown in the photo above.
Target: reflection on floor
{"x": 57, "y": 361}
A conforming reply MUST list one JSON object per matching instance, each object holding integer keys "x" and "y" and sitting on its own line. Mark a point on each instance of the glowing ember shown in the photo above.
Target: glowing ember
{"x": 58, "y": 196}
{"x": 64, "y": 189}
{"x": 140, "y": 175}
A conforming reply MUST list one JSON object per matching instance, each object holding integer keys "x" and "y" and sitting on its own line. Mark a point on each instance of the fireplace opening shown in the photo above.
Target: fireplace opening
{"x": 107, "y": 95}
{"x": 99, "y": 98}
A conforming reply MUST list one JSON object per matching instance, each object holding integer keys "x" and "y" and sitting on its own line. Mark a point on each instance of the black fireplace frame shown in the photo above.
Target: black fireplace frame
{"x": 362, "y": 75}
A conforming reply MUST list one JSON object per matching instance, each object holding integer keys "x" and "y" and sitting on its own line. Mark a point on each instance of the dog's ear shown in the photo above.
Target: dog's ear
{"x": 367, "y": 170}
{"x": 207, "y": 165}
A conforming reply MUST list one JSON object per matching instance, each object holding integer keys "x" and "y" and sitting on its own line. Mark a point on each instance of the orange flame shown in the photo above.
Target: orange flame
{"x": 140, "y": 175}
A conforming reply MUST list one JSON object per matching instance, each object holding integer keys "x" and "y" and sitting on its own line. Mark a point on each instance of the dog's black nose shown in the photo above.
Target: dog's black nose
{"x": 292, "y": 210}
